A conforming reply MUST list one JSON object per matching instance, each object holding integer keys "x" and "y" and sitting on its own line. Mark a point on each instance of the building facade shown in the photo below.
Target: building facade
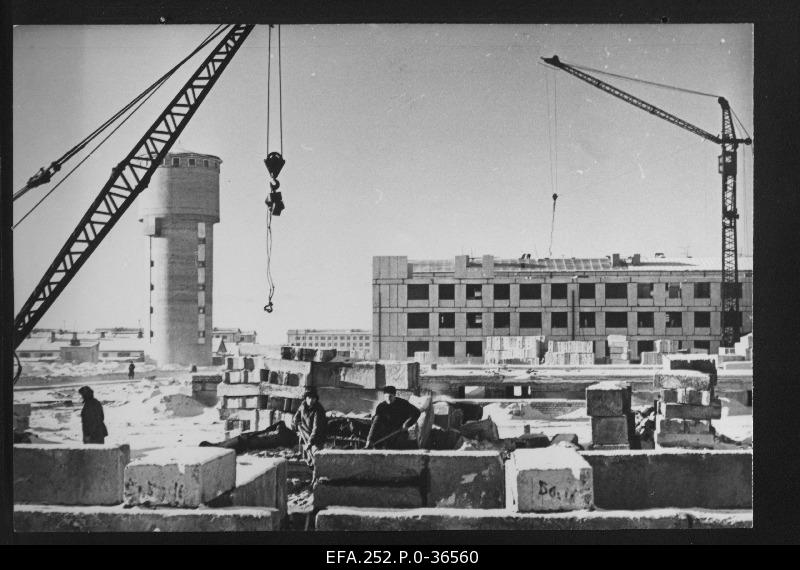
{"x": 357, "y": 341}
{"x": 449, "y": 307}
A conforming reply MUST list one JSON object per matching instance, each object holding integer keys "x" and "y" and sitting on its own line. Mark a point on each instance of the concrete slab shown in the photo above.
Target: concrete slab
{"x": 698, "y": 362}
{"x": 690, "y": 412}
{"x": 364, "y": 374}
{"x": 672, "y": 478}
{"x": 608, "y": 399}
{"x": 683, "y": 379}
{"x": 550, "y": 479}
{"x": 403, "y": 375}
{"x": 180, "y": 476}
{"x": 612, "y": 430}
{"x": 686, "y": 440}
{"x": 80, "y": 474}
{"x": 432, "y": 519}
{"x": 466, "y": 479}
{"x": 260, "y": 482}
{"x": 377, "y": 466}
{"x": 50, "y": 518}
{"x": 237, "y": 390}
{"x": 406, "y": 497}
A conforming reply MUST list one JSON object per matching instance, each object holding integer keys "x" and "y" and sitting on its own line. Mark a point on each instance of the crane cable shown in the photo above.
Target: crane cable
{"x": 44, "y": 176}
{"x": 274, "y": 202}
{"x": 553, "y": 147}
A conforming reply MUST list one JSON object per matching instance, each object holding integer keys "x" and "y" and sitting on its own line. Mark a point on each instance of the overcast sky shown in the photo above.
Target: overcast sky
{"x": 422, "y": 140}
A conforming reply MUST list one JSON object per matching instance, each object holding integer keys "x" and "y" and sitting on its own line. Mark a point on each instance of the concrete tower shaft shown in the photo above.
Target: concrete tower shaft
{"x": 178, "y": 212}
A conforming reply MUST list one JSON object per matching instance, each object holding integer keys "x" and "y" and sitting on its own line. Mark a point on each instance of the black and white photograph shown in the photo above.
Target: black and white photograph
{"x": 356, "y": 277}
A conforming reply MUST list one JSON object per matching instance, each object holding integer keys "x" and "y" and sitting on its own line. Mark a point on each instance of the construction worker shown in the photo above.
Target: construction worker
{"x": 131, "y": 368}
{"x": 94, "y": 430}
{"x": 392, "y": 419}
{"x": 310, "y": 424}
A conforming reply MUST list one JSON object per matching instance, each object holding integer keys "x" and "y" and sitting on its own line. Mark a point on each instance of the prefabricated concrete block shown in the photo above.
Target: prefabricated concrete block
{"x": 608, "y": 399}
{"x": 698, "y": 362}
{"x": 687, "y": 440}
{"x": 365, "y": 374}
{"x": 550, "y": 479}
{"x": 180, "y": 476}
{"x": 531, "y": 441}
{"x": 403, "y": 375}
{"x": 671, "y": 426}
{"x": 690, "y": 412}
{"x": 670, "y": 395}
{"x": 612, "y": 430}
{"x": 50, "y": 518}
{"x": 482, "y": 430}
{"x": 260, "y": 482}
{"x": 694, "y": 397}
{"x": 680, "y": 478}
{"x": 698, "y": 426}
{"x": 438, "y": 519}
{"x": 377, "y": 466}
{"x": 747, "y": 365}
{"x": 407, "y": 497}
{"x": 466, "y": 479}
{"x": 79, "y": 474}
{"x": 683, "y": 379}
{"x": 562, "y": 438}
{"x": 22, "y": 410}
{"x": 237, "y": 390}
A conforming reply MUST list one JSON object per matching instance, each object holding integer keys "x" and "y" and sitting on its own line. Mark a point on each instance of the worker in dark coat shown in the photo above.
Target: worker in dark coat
{"x": 94, "y": 430}
{"x": 392, "y": 419}
{"x": 311, "y": 424}
{"x": 131, "y": 368}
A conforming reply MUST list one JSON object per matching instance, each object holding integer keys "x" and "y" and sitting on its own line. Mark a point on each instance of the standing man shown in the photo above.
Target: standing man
{"x": 131, "y": 368}
{"x": 94, "y": 430}
{"x": 392, "y": 419}
{"x": 310, "y": 424}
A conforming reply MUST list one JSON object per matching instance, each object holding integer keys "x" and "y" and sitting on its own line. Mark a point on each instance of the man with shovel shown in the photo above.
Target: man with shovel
{"x": 310, "y": 424}
{"x": 392, "y": 419}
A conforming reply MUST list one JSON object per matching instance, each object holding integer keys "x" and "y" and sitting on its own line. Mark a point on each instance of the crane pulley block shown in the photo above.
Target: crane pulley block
{"x": 274, "y": 163}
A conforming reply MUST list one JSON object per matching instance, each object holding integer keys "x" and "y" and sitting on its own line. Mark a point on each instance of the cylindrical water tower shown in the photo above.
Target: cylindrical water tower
{"x": 178, "y": 211}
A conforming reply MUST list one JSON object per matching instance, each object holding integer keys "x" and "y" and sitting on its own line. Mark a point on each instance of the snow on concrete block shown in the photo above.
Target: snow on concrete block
{"x": 690, "y": 412}
{"x": 326, "y": 495}
{"x": 612, "y": 430}
{"x": 50, "y": 518}
{"x": 76, "y": 474}
{"x": 683, "y": 379}
{"x": 466, "y": 479}
{"x": 180, "y": 476}
{"x": 549, "y": 479}
{"x": 608, "y": 399}
{"x": 373, "y": 465}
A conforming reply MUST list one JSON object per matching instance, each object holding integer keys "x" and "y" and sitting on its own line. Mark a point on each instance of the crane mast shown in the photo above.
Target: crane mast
{"x": 128, "y": 179}
{"x": 731, "y": 317}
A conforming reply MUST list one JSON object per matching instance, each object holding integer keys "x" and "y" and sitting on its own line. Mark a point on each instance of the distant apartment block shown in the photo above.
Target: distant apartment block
{"x": 449, "y": 307}
{"x": 357, "y": 341}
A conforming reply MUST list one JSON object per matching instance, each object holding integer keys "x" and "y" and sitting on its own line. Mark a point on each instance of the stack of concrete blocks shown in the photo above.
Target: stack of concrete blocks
{"x": 745, "y": 346}
{"x": 96, "y": 488}
{"x": 514, "y": 349}
{"x": 242, "y": 407}
{"x": 740, "y": 357}
{"x": 22, "y": 414}
{"x": 618, "y": 349}
{"x": 663, "y": 346}
{"x": 551, "y": 479}
{"x": 570, "y": 353}
{"x": 204, "y": 388}
{"x": 613, "y": 422}
{"x": 688, "y": 404}
{"x": 408, "y": 479}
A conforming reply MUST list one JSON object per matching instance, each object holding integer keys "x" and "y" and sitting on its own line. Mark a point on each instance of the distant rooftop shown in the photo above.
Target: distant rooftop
{"x": 584, "y": 264}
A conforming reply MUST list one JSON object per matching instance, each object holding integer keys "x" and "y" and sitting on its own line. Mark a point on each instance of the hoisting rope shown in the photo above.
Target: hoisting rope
{"x": 274, "y": 163}
{"x": 136, "y": 104}
{"x": 553, "y": 140}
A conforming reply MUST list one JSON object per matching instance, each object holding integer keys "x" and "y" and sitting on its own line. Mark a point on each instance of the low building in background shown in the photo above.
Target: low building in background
{"x": 356, "y": 341}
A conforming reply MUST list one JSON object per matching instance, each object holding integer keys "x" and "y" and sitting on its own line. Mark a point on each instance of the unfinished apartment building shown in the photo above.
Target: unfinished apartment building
{"x": 448, "y": 308}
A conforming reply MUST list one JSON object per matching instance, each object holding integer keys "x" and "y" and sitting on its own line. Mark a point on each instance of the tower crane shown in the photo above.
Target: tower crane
{"x": 729, "y": 143}
{"x": 128, "y": 179}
